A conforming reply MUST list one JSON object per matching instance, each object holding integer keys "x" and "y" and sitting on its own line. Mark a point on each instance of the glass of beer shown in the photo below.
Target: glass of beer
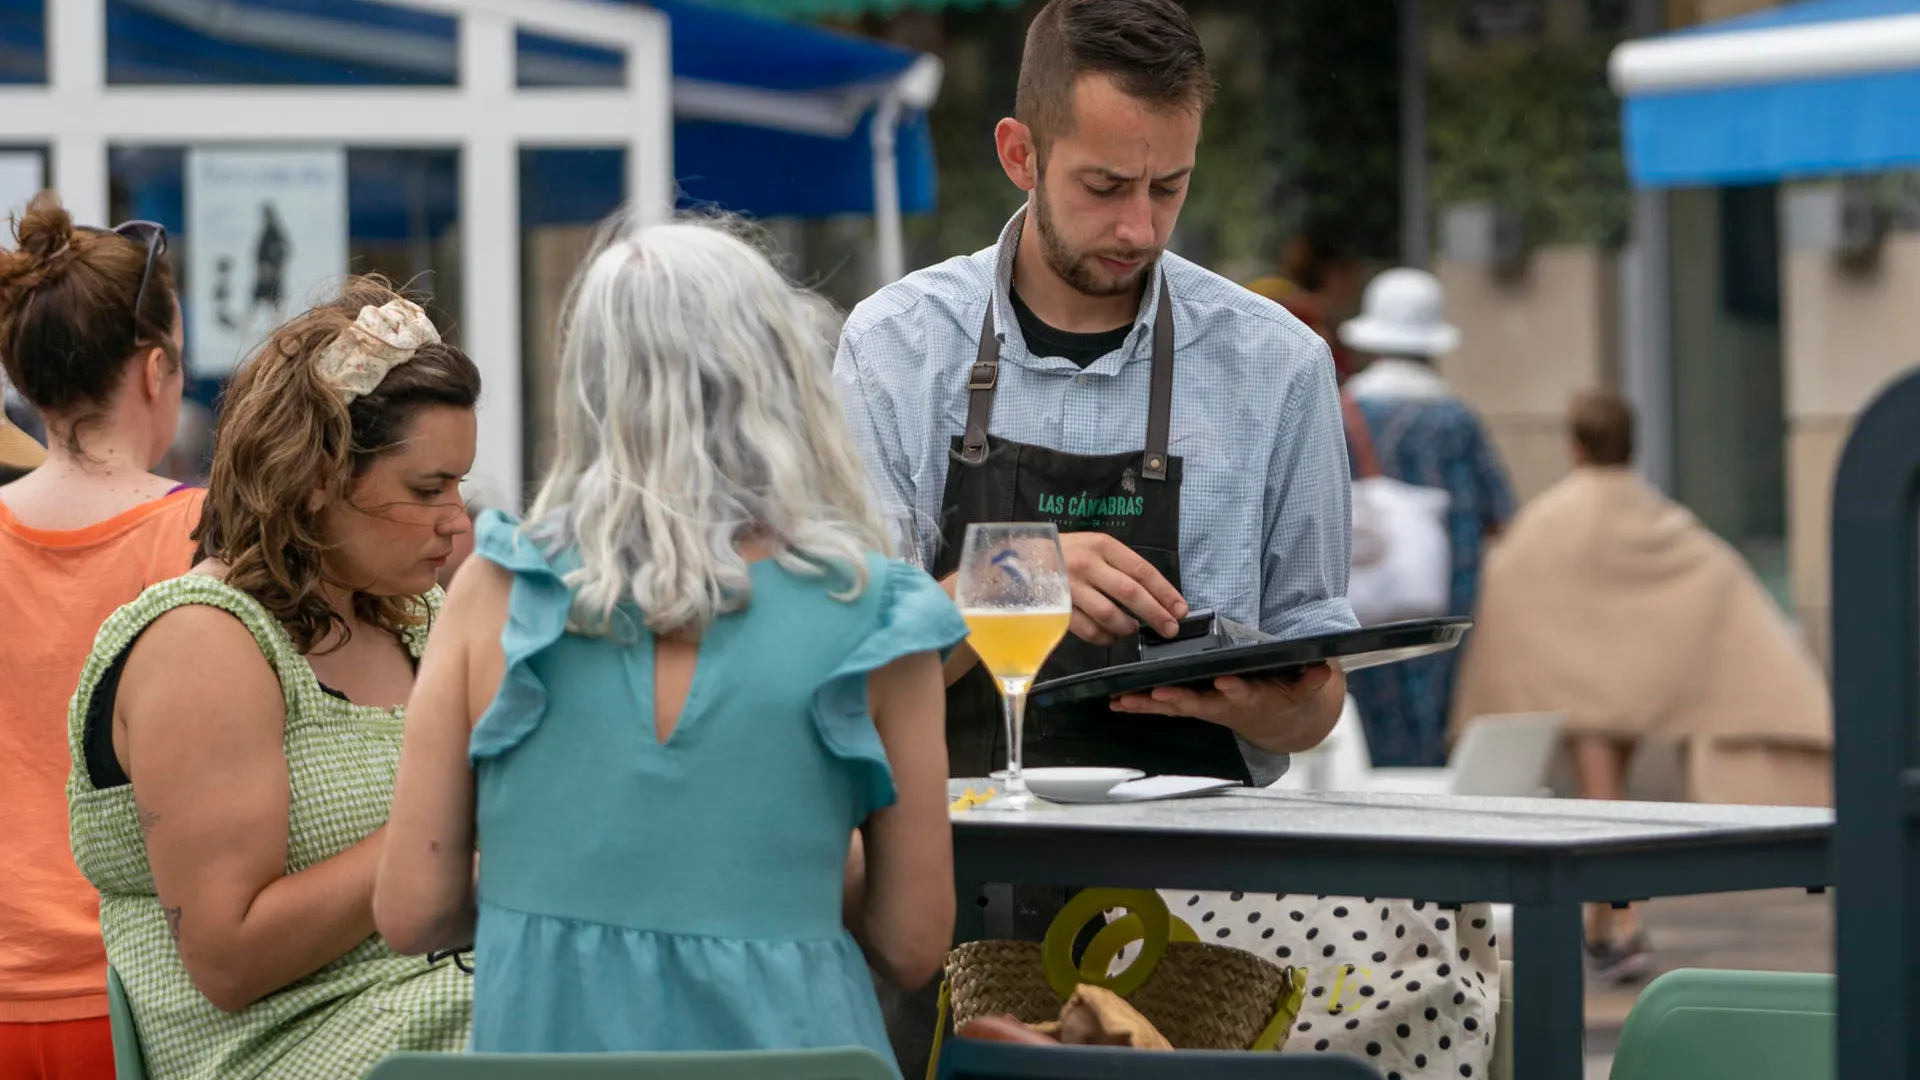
{"x": 1013, "y": 592}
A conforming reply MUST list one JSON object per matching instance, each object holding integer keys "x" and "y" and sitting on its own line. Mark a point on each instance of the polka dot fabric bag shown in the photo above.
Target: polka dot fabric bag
{"x": 1410, "y": 987}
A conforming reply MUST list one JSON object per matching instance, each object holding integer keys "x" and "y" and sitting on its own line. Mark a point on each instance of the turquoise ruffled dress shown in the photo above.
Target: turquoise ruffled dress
{"x": 686, "y": 895}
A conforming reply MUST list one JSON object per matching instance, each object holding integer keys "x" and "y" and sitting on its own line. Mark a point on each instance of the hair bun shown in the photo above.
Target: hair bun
{"x": 43, "y": 233}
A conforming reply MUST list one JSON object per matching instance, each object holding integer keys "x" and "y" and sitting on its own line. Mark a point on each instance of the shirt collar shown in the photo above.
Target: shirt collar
{"x": 1139, "y": 341}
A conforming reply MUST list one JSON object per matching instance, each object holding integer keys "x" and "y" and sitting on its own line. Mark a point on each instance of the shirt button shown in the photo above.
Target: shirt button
{"x": 1082, "y": 380}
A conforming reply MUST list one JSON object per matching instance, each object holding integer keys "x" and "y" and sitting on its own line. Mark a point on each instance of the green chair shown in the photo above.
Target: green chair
{"x": 1729, "y": 1025}
{"x": 128, "y": 1062}
{"x": 840, "y": 1063}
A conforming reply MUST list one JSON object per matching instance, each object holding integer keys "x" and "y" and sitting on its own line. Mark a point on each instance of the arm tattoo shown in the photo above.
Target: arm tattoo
{"x": 173, "y": 922}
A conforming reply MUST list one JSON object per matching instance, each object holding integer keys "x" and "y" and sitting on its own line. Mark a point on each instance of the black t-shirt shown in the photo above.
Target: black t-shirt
{"x": 1044, "y": 340}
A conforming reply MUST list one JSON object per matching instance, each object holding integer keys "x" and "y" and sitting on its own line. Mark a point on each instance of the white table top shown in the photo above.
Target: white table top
{"x": 1421, "y": 820}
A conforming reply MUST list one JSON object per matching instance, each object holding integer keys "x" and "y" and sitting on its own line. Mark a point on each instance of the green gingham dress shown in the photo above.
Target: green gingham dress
{"x": 335, "y": 1023}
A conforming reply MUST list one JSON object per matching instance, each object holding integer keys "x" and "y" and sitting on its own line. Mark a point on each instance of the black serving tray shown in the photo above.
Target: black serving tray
{"x": 1371, "y": 646}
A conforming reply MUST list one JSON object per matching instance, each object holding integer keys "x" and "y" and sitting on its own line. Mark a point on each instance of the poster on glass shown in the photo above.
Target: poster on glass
{"x": 267, "y": 232}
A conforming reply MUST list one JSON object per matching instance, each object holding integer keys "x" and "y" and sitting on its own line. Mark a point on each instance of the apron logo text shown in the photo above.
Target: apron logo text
{"x": 1092, "y": 506}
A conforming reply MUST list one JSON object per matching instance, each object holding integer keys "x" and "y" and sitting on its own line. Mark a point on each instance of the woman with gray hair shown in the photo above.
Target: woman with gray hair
{"x": 668, "y": 699}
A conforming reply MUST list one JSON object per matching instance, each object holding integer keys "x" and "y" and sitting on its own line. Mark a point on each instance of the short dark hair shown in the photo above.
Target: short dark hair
{"x": 1603, "y": 428}
{"x": 1148, "y": 47}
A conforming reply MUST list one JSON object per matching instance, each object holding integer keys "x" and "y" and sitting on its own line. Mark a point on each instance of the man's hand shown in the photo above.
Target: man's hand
{"x": 1115, "y": 590}
{"x": 1280, "y": 716}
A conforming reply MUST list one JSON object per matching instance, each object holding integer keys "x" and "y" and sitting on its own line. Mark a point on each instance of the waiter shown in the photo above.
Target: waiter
{"x": 1183, "y": 433}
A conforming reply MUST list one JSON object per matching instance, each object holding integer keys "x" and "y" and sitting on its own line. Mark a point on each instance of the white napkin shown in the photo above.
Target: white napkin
{"x": 1151, "y": 788}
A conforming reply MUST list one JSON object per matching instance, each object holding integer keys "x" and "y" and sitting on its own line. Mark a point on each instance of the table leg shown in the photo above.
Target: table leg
{"x": 1549, "y": 993}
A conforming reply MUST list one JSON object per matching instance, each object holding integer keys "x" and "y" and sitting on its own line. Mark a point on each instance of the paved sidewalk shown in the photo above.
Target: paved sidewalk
{"x": 1766, "y": 931}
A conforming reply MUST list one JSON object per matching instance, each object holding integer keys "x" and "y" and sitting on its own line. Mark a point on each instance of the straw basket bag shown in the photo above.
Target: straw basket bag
{"x": 1201, "y": 997}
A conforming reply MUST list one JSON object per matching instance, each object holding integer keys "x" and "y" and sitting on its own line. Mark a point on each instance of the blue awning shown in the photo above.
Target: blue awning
{"x": 1810, "y": 89}
{"x": 767, "y": 171}
{"x": 759, "y": 168}
{"x": 771, "y": 118}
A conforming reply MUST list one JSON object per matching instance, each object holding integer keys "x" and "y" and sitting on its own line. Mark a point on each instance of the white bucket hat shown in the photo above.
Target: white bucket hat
{"x": 1401, "y": 315}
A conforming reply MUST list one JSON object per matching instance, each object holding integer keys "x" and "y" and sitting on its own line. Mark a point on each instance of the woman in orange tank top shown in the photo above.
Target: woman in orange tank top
{"x": 90, "y": 335}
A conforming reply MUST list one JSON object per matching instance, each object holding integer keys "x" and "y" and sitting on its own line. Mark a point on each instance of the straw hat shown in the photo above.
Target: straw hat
{"x": 1401, "y": 315}
{"x": 17, "y": 448}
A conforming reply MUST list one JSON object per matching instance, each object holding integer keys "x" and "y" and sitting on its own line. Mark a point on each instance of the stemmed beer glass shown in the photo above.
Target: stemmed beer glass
{"x": 1013, "y": 592}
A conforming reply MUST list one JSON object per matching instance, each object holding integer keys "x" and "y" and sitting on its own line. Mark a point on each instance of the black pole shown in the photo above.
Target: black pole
{"x": 1416, "y": 243}
{"x": 1876, "y": 697}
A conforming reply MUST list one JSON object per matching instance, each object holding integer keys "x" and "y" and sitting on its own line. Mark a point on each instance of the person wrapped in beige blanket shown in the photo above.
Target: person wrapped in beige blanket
{"x": 1611, "y": 603}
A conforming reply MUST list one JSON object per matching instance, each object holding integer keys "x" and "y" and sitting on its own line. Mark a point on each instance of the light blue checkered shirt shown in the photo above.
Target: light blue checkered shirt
{"x": 1264, "y": 517}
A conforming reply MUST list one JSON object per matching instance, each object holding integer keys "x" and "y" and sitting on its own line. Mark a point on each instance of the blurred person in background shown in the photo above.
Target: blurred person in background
{"x": 236, "y": 729}
{"x": 1422, "y": 434}
{"x": 1608, "y": 601}
{"x": 1319, "y": 283}
{"x": 191, "y": 453}
{"x": 90, "y": 336}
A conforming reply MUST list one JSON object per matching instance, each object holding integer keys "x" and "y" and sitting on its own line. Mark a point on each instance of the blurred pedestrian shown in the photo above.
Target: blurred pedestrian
{"x": 1613, "y": 604}
{"x": 90, "y": 336}
{"x": 1319, "y": 283}
{"x": 1422, "y": 434}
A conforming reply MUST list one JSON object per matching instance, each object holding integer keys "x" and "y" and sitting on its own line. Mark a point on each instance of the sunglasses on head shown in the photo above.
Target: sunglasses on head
{"x": 150, "y": 234}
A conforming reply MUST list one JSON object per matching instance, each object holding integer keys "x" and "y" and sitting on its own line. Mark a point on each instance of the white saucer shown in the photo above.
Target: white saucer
{"x": 1073, "y": 784}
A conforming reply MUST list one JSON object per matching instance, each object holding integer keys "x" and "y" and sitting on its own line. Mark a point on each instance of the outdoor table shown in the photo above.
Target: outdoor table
{"x": 1544, "y": 856}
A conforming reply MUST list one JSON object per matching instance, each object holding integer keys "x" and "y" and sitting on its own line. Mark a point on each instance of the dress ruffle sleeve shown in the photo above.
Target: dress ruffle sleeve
{"x": 915, "y": 615}
{"x": 536, "y": 618}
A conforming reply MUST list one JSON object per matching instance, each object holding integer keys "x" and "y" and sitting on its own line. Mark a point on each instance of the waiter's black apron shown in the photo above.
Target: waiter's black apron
{"x": 1132, "y": 497}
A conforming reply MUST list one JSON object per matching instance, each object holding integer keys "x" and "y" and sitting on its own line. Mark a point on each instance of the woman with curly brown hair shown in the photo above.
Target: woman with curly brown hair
{"x": 236, "y": 730}
{"x": 90, "y": 335}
